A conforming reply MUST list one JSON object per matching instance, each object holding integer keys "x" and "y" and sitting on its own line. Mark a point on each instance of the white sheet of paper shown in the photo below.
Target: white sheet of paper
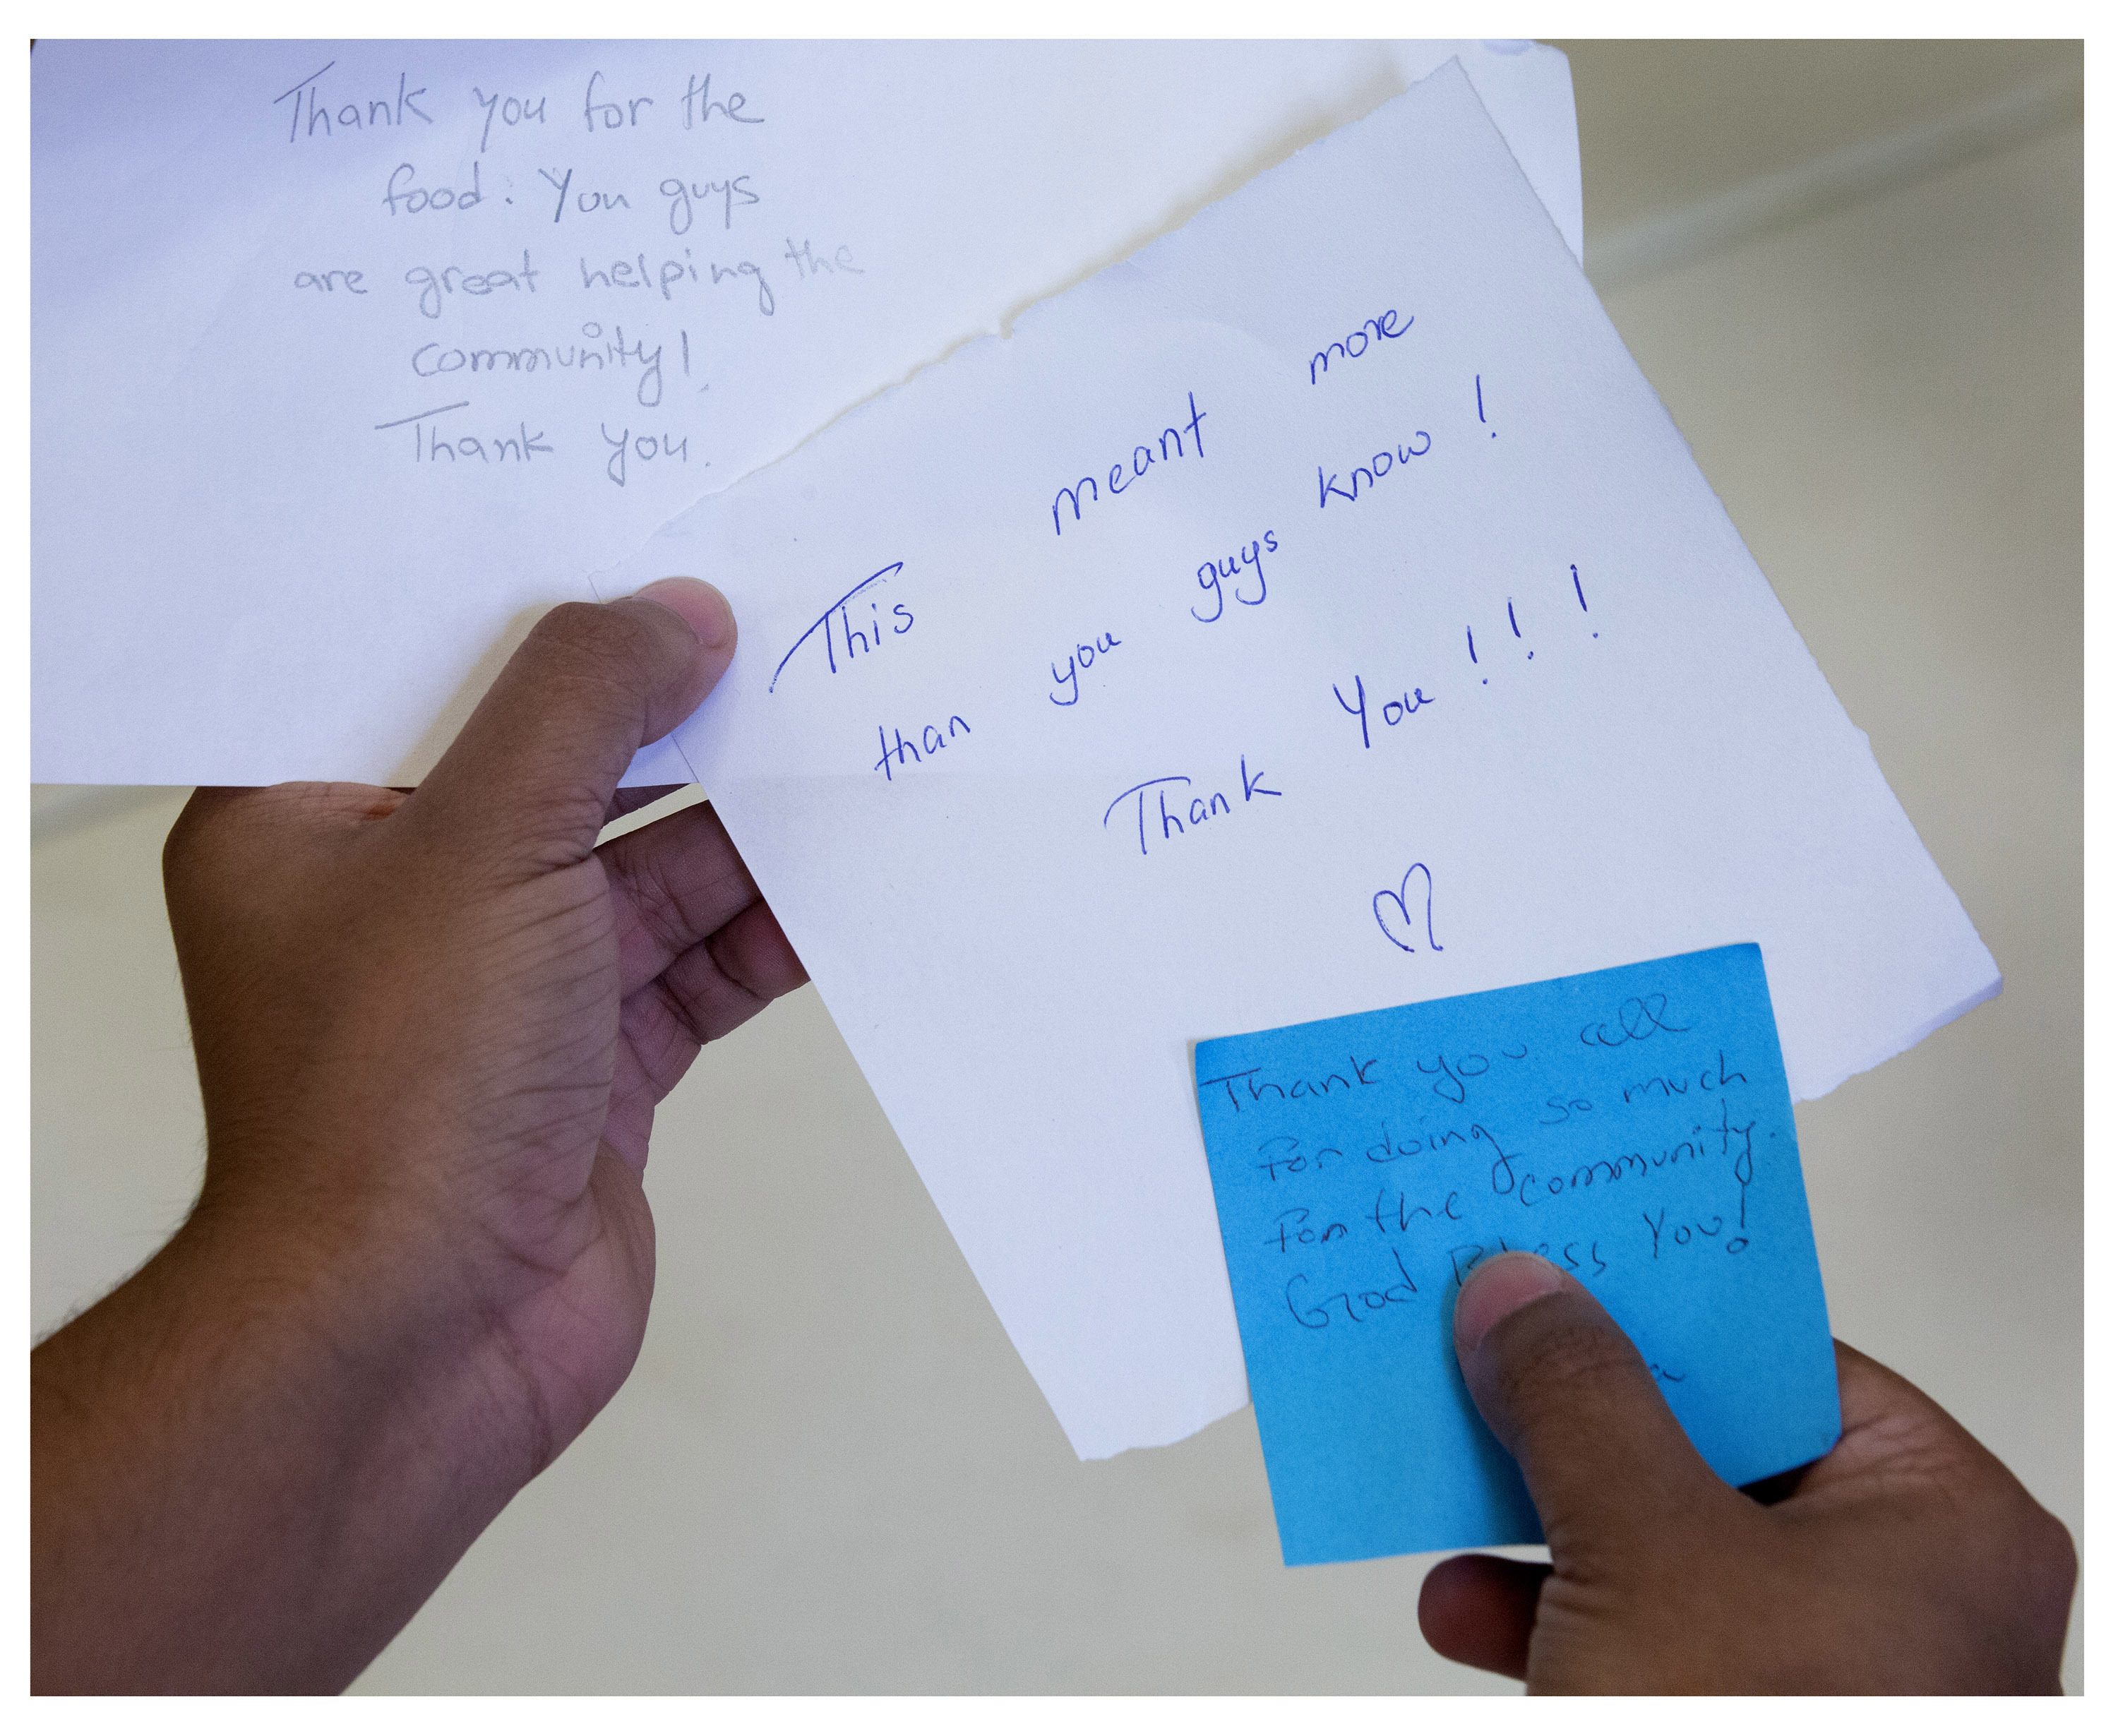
{"x": 1405, "y": 666}
{"x": 287, "y": 521}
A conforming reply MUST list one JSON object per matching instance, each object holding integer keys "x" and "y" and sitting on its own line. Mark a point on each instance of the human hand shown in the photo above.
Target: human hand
{"x": 462, "y": 1014}
{"x": 1908, "y": 1559}
{"x": 431, "y": 1029}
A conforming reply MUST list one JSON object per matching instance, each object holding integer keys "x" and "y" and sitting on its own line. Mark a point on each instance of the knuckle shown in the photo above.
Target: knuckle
{"x": 2045, "y": 1549}
{"x": 212, "y": 824}
{"x": 183, "y": 844}
{"x": 608, "y": 641}
{"x": 230, "y": 849}
{"x": 596, "y": 660}
{"x": 2001, "y": 1524}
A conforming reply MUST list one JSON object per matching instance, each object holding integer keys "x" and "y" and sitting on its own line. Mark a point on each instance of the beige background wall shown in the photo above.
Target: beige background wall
{"x": 1854, "y": 273}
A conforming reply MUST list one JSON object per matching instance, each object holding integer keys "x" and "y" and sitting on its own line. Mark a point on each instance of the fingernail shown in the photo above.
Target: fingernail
{"x": 1496, "y": 1289}
{"x": 703, "y": 609}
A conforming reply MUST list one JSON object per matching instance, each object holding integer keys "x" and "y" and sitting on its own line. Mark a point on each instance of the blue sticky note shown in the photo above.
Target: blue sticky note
{"x": 1632, "y": 1125}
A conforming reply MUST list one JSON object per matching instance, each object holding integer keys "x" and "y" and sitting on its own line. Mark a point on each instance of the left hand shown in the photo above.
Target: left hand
{"x": 431, "y": 1029}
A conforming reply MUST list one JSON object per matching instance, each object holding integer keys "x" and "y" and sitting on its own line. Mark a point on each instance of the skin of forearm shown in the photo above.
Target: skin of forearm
{"x": 254, "y": 1461}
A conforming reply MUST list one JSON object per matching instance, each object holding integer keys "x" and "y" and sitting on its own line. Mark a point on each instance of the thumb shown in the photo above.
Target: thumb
{"x": 1608, "y": 1466}
{"x": 1610, "y": 1471}
{"x": 526, "y": 783}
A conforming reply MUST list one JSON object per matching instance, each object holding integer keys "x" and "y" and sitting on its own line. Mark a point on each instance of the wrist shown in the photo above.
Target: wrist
{"x": 395, "y": 1310}
{"x": 254, "y": 1459}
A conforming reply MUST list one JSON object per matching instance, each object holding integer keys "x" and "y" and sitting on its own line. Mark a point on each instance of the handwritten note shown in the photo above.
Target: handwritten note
{"x": 1316, "y": 610}
{"x": 351, "y": 358}
{"x": 1632, "y": 1125}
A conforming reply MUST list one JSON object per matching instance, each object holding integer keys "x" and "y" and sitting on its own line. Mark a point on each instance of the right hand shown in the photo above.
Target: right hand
{"x": 1907, "y": 1560}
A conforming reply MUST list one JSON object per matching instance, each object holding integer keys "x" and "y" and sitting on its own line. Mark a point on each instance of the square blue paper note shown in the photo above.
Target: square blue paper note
{"x": 1633, "y": 1126}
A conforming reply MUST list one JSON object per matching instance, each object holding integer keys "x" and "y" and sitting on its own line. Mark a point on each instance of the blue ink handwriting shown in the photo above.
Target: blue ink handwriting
{"x": 932, "y": 739}
{"x": 1123, "y": 474}
{"x": 1192, "y": 810}
{"x": 857, "y": 641}
{"x": 1080, "y": 658}
{"x": 1356, "y": 343}
{"x": 1374, "y": 470}
{"x": 1404, "y": 935}
{"x": 1212, "y": 573}
{"x": 1395, "y": 711}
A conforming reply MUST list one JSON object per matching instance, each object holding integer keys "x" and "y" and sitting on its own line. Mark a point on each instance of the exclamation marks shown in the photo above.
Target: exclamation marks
{"x": 1515, "y": 630}
{"x": 1578, "y": 596}
{"x": 1478, "y": 385}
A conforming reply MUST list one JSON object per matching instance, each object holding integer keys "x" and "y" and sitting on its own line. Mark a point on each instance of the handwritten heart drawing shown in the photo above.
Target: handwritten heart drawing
{"x": 1386, "y": 898}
